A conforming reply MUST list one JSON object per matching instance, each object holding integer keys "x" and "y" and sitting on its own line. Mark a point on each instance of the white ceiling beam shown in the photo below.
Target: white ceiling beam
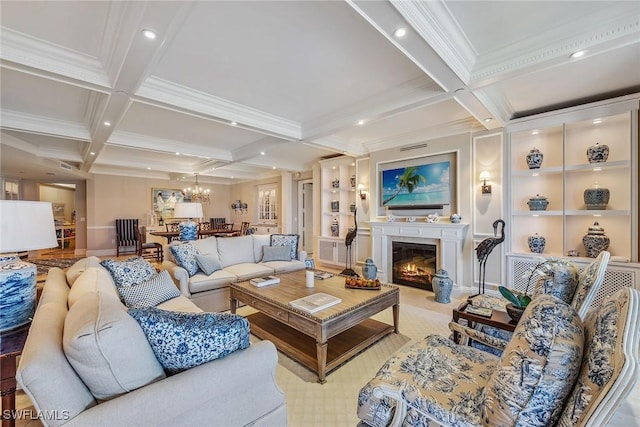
{"x": 32, "y": 123}
{"x": 138, "y": 62}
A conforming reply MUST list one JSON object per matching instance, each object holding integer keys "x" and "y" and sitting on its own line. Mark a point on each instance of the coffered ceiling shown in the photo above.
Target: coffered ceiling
{"x": 240, "y": 90}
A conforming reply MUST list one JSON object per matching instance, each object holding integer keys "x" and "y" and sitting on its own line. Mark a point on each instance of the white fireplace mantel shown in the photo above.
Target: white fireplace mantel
{"x": 450, "y": 240}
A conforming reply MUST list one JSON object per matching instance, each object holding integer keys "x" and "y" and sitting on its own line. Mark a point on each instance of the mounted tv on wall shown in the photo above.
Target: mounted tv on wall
{"x": 423, "y": 183}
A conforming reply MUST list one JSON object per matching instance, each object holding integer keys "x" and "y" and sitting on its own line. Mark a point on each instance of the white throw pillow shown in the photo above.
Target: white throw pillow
{"x": 107, "y": 347}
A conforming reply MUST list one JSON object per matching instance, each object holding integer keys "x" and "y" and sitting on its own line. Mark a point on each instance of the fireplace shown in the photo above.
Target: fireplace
{"x": 414, "y": 264}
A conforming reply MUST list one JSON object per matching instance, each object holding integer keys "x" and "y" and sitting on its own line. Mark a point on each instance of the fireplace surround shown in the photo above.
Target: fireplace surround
{"x": 448, "y": 239}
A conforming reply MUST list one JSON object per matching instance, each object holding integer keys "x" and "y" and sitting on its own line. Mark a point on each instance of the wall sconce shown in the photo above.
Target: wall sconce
{"x": 361, "y": 190}
{"x": 484, "y": 176}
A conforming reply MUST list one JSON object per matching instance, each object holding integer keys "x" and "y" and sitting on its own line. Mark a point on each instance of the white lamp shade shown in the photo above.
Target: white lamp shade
{"x": 188, "y": 210}
{"x": 26, "y": 226}
{"x": 485, "y": 175}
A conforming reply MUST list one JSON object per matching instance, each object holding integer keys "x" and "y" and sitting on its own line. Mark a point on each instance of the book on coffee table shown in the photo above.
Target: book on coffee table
{"x": 264, "y": 281}
{"x": 315, "y": 302}
{"x": 321, "y": 275}
{"x": 479, "y": 311}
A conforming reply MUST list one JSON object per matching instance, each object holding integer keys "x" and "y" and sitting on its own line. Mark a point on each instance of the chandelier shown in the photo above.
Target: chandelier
{"x": 197, "y": 193}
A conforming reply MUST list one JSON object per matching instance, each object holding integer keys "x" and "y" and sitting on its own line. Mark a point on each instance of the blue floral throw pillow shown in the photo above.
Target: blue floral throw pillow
{"x": 287, "y": 240}
{"x": 129, "y": 272}
{"x": 185, "y": 256}
{"x": 158, "y": 289}
{"x": 183, "y": 340}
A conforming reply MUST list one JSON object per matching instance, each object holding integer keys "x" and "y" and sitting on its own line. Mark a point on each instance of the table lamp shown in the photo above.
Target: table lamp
{"x": 24, "y": 226}
{"x": 188, "y": 229}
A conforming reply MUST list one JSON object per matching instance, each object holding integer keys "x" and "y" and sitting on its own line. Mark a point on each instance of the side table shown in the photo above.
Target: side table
{"x": 499, "y": 319}
{"x": 11, "y": 345}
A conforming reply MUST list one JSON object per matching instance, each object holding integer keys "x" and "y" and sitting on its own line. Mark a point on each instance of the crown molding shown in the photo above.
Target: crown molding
{"x": 163, "y": 91}
{"x": 338, "y": 144}
{"x": 618, "y": 31}
{"x": 31, "y": 123}
{"x": 457, "y": 127}
{"x": 433, "y": 21}
{"x": 150, "y": 143}
{"x": 496, "y": 103}
{"x": 40, "y": 54}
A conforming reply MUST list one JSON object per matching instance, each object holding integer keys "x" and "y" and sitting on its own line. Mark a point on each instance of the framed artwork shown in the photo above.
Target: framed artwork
{"x": 163, "y": 201}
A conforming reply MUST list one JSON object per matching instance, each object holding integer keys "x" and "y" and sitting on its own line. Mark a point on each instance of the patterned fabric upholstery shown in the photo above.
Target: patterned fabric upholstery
{"x": 610, "y": 363}
{"x": 183, "y": 340}
{"x": 435, "y": 377}
{"x": 561, "y": 282}
{"x": 287, "y": 240}
{"x": 129, "y": 272}
{"x": 538, "y": 366}
{"x": 452, "y": 384}
{"x": 150, "y": 293}
{"x": 589, "y": 282}
{"x": 185, "y": 256}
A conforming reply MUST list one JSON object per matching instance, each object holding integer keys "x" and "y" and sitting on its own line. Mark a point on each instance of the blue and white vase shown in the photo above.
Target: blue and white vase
{"x": 536, "y": 243}
{"x": 369, "y": 269}
{"x": 188, "y": 230}
{"x": 534, "y": 159}
{"x": 598, "y": 153}
{"x": 335, "y": 228}
{"x": 442, "y": 286}
{"x": 17, "y": 292}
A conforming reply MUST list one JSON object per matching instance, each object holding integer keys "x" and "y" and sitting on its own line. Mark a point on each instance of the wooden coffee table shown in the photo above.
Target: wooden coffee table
{"x": 324, "y": 340}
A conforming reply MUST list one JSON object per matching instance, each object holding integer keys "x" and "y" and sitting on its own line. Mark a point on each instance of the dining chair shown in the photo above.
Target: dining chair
{"x": 244, "y": 228}
{"x": 126, "y": 240}
{"x": 148, "y": 250}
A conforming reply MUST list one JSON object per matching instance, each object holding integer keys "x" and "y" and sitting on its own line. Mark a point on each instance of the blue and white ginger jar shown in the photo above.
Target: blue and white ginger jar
{"x": 536, "y": 243}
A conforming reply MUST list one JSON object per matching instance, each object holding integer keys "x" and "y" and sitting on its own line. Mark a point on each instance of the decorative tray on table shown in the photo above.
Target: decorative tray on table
{"x": 361, "y": 283}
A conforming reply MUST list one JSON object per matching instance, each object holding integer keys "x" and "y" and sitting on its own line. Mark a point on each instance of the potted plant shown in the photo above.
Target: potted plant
{"x": 518, "y": 301}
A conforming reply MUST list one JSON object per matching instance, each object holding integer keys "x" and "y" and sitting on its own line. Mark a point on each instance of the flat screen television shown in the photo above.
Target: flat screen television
{"x": 426, "y": 184}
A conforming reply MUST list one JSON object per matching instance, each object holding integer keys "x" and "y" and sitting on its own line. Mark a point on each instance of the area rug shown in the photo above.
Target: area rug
{"x": 45, "y": 264}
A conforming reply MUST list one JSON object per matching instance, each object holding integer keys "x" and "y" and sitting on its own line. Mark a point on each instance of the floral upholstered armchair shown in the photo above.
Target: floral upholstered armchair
{"x": 564, "y": 283}
{"x": 531, "y": 384}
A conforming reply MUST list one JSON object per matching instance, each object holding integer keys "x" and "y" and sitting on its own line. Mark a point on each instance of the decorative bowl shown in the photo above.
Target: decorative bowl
{"x": 538, "y": 203}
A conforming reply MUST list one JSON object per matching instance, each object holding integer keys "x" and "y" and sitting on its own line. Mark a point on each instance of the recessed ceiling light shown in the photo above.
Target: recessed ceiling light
{"x": 234, "y": 124}
{"x": 106, "y": 123}
{"x": 535, "y": 132}
{"x": 273, "y": 167}
{"x": 360, "y": 122}
{"x": 231, "y": 177}
{"x": 148, "y": 169}
{"x": 150, "y": 34}
{"x": 262, "y": 153}
{"x": 488, "y": 119}
{"x": 177, "y": 154}
{"x": 578, "y": 54}
{"x": 400, "y": 32}
{"x": 597, "y": 121}
{"x": 92, "y": 153}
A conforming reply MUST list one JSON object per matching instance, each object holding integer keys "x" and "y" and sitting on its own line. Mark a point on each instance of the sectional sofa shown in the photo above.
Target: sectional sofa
{"x": 238, "y": 258}
{"x": 106, "y": 373}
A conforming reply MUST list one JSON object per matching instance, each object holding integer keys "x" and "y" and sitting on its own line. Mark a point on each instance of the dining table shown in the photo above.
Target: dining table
{"x": 173, "y": 235}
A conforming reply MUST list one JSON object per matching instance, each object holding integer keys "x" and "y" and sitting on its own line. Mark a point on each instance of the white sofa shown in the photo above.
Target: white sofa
{"x": 240, "y": 258}
{"x": 238, "y": 389}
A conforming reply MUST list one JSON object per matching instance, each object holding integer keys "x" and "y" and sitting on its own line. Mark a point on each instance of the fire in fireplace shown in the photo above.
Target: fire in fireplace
{"x": 414, "y": 264}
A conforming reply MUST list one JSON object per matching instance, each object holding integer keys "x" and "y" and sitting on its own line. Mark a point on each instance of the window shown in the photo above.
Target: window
{"x": 267, "y": 203}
